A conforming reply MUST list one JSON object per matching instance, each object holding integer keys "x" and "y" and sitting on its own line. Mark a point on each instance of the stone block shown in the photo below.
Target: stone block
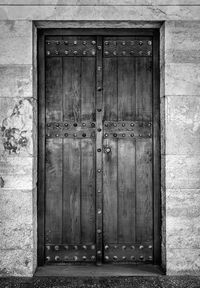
{"x": 16, "y": 262}
{"x": 17, "y": 172}
{"x": 182, "y": 171}
{"x": 182, "y": 125}
{"x": 182, "y": 41}
{"x": 183, "y": 218}
{"x": 182, "y": 79}
{"x": 183, "y": 261}
{"x": 16, "y": 81}
{"x": 16, "y": 122}
{"x": 15, "y": 42}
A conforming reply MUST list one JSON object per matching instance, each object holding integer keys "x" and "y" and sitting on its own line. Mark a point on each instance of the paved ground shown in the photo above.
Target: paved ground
{"x": 102, "y": 282}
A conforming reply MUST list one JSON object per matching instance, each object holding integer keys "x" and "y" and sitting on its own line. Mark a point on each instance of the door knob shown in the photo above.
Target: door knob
{"x": 107, "y": 149}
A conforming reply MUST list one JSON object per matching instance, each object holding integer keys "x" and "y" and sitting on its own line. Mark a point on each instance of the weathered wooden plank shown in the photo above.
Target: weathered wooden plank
{"x": 144, "y": 205}
{"x": 53, "y": 207}
{"x": 87, "y": 191}
{"x": 126, "y": 191}
{"x": 144, "y": 88}
{"x": 71, "y": 191}
{"x": 110, "y": 199}
{"x": 72, "y": 88}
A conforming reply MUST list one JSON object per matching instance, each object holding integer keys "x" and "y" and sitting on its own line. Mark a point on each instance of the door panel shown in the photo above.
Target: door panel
{"x": 99, "y": 113}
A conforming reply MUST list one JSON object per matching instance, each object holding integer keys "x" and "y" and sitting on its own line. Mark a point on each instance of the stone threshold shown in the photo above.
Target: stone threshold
{"x": 105, "y": 270}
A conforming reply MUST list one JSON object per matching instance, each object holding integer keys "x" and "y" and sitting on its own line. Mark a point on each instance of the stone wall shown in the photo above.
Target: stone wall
{"x": 17, "y": 155}
{"x": 180, "y": 121}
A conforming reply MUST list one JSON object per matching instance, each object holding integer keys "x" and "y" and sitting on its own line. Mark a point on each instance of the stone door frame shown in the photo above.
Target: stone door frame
{"x": 112, "y": 24}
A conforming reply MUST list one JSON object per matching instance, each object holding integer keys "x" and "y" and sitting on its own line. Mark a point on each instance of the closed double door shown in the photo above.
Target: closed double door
{"x": 101, "y": 145}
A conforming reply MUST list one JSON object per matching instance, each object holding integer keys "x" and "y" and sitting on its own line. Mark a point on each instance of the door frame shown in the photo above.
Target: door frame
{"x": 156, "y": 160}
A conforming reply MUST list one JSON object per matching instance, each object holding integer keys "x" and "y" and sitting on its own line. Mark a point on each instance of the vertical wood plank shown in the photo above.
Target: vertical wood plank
{"x": 126, "y": 191}
{"x": 71, "y": 191}
{"x": 144, "y": 204}
{"x": 87, "y": 191}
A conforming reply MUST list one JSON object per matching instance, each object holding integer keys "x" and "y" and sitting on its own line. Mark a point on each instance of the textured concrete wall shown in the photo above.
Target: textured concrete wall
{"x": 17, "y": 155}
{"x": 180, "y": 83}
{"x": 181, "y": 149}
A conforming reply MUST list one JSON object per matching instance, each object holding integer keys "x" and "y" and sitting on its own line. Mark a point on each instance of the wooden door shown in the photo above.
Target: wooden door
{"x": 100, "y": 150}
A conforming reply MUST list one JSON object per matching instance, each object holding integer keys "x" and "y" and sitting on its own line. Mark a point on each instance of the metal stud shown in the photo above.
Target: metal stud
{"x": 92, "y": 124}
{"x": 115, "y": 135}
{"x": 66, "y": 134}
{"x": 141, "y": 247}
{"x": 106, "y": 43}
{"x": 98, "y": 231}
{"x": 106, "y": 258}
{"x": 115, "y": 257}
{"x": 56, "y": 52}
{"x": 123, "y": 52}
{"x": 84, "y": 135}
{"x": 48, "y": 258}
{"x": 48, "y": 135}
{"x": 57, "y": 258}
{"x": 99, "y": 68}
{"x": 84, "y": 42}
{"x": 123, "y": 43}
{"x": 149, "y": 53}
{"x": 99, "y": 129}
{"x": 124, "y": 247}
{"x": 48, "y": 247}
{"x": 93, "y": 247}
{"x": 140, "y": 43}
{"x": 57, "y": 135}
{"x": 84, "y": 52}
{"x": 149, "y": 135}
{"x": 93, "y": 42}
{"x": 99, "y": 252}
{"x": 83, "y": 124}
{"x": 106, "y": 247}
{"x": 123, "y": 135}
{"x": 114, "y": 53}
{"x": 150, "y": 258}
{"x": 75, "y": 134}
{"x": 105, "y": 135}
{"x": 150, "y": 247}
{"x": 149, "y": 43}
{"x": 57, "y": 125}
{"x": 132, "y": 247}
{"x": 84, "y": 247}
{"x": 48, "y": 42}
{"x": 123, "y": 257}
{"x": 99, "y": 170}
{"x": 123, "y": 124}
{"x": 106, "y": 52}
{"x": 75, "y": 247}
{"x": 99, "y": 211}
{"x": 99, "y": 47}
{"x": 75, "y": 258}
{"x": 84, "y": 258}
{"x": 115, "y": 246}
{"x": 75, "y": 42}
{"x": 66, "y": 247}
{"x": 66, "y": 52}
{"x": 75, "y": 52}
{"x": 115, "y": 124}
{"x": 93, "y": 52}
{"x": 99, "y": 88}
{"x": 48, "y": 53}
{"x": 141, "y": 257}
{"x": 93, "y": 257}
{"x": 140, "y": 135}
{"x": 66, "y": 124}
{"x": 132, "y": 124}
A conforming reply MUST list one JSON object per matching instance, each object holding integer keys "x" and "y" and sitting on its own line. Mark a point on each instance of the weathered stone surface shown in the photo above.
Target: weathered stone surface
{"x": 17, "y": 172}
{"x": 89, "y": 12}
{"x": 182, "y": 41}
{"x": 182, "y": 125}
{"x": 16, "y": 81}
{"x": 16, "y": 262}
{"x": 183, "y": 218}
{"x": 182, "y": 171}
{"x": 16, "y": 42}
{"x": 16, "y": 227}
{"x": 183, "y": 261}
{"x": 16, "y": 123}
{"x": 182, "y": 79}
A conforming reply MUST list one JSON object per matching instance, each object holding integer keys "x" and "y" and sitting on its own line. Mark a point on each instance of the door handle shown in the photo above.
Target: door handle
{"x": 107, "y": 149}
